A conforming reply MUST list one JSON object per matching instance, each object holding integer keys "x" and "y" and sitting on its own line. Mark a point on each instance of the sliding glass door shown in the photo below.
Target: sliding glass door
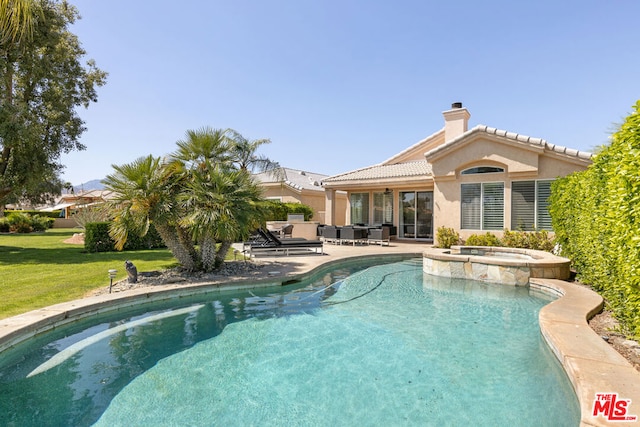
{"x": 416, "y": 219}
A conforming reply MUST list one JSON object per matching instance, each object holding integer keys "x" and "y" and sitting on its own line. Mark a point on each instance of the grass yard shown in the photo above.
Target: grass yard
{"x": 39, "y": 269}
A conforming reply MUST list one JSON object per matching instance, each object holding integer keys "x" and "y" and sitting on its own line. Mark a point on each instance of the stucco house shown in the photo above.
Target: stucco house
{"x": 472, "y": 180}
{"x": 69, "y": 203}
{"x": 297, "y": 186}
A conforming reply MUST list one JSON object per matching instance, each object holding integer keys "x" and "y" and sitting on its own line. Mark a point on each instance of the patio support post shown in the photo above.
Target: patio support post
{"x": 330, "y": 206}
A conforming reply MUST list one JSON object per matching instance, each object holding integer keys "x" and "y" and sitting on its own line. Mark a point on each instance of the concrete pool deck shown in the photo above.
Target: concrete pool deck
{"x": 592, "y": 366}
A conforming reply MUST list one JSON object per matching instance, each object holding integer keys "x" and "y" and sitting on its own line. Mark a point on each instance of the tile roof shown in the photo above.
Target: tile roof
{"x": 423, "y": 168}
{"x": 381, "y": 171}
{"x": 515, "y": 137}
{"x": 294, "y": 178}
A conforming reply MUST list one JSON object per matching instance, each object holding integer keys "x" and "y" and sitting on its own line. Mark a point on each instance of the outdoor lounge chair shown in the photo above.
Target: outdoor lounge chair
{"x": 271, "y": 243}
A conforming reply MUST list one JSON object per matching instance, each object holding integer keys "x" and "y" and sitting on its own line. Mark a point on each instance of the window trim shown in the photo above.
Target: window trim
{"x": 482, "y": 221}
{"x": 537, "y": 205}
{"x": 481, "y": 170}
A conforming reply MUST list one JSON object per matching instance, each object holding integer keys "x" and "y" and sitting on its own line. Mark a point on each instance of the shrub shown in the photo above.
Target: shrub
{"x": 25, "y": 222}
{"x": 151, "y": 240}
{"x": 20, "y": 222}
{"x": 486, "y": 239}
{"x": 514, "y": 239}
{"x": 538, "y": 240}
{"x": 597, "y": 222}
{"x": 541, "y": 240}
{"x": 96, "y": 237}
{"x": 39, "y": 223}
{"x": 447, "y": 237}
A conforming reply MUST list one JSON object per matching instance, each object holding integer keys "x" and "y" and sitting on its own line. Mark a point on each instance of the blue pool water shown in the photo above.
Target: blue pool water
{"x": 385, "y": 345}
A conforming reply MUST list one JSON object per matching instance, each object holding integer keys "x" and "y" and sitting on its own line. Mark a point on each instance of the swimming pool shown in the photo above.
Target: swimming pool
{"x": 385, "y": 345}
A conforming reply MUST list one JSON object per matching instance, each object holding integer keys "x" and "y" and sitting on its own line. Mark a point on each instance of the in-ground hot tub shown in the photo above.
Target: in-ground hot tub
{"x": 509, "y": 266}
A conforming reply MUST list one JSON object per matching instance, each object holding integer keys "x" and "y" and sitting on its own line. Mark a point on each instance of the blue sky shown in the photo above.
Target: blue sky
{"x": 339, "y": 85}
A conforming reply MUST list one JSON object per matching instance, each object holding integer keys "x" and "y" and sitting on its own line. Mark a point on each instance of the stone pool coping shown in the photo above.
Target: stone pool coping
{"x": 484, "y": 263}
{"x": 591, "y": 365}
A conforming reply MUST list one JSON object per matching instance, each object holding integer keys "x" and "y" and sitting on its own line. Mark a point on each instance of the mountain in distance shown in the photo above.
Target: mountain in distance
{"x": 94, "y": 184}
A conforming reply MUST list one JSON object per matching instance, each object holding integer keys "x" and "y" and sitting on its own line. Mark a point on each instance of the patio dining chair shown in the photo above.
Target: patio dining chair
{"x": 287, "y": 231}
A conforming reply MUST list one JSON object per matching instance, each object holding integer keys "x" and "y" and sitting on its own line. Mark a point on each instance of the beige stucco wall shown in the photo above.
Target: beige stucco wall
{"x": 552, "y": 167}
{"x": 342, "y": 206}
{"x": 478, "y": 151}
{"x": 520, "y": 162}
{"x": 305, "y": 229}
{"x": 65, "y": 223}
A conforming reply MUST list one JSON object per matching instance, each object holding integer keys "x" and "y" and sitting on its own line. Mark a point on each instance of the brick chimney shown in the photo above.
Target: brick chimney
{"x": 456, "y": 121}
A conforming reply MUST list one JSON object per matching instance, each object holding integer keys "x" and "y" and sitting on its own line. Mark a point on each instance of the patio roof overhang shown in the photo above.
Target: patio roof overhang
{"x": 56, "y": 207}
{"x": 393, "y": 183}
{"x": 382, "y": 175}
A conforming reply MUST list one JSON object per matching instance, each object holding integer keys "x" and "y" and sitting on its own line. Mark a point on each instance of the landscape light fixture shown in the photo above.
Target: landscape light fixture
{"x": 112, "y": 275}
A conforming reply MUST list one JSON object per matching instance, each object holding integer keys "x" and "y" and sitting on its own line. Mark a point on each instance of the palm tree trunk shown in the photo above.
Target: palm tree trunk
{"x": 222, "y": 254}
{"x": 170, "y": 237}
{"x": 184, "y": 236}
{"x": 208, "y": 253}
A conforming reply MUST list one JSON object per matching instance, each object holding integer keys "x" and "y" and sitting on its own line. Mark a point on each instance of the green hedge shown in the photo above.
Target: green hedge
{"x": 596, "y": 217}
{"x": 52, "y": 214}
{"x": 97, "y": 239}
{"x": 151, "y": 240}
{"x": 278, "y": 211}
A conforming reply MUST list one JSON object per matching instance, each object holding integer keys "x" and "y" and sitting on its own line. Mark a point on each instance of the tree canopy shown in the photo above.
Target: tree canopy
{"x": 42, "y": 83}
{"x": 199, "y": 199}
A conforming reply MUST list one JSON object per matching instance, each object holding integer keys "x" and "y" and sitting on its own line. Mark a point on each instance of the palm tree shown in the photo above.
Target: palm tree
{"x": 199, "y": 200}
{"x": 223, "y": 207}
{"x": 222, "y": 203}
{"x": 245, "y": 156}
{"x": 146, "y": 193}
{"x": 202, "y": 146}
{"x": 17, "y": 19}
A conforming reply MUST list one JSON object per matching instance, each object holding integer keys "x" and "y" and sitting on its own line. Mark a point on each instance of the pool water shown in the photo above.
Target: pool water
{"x": 386, "y": 345}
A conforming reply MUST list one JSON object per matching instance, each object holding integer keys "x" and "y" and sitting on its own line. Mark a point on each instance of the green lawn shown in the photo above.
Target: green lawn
{"x": 38, "y": 269}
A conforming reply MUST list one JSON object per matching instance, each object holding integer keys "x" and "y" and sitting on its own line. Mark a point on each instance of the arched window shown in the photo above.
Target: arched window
{"x": 482, "y": 169}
